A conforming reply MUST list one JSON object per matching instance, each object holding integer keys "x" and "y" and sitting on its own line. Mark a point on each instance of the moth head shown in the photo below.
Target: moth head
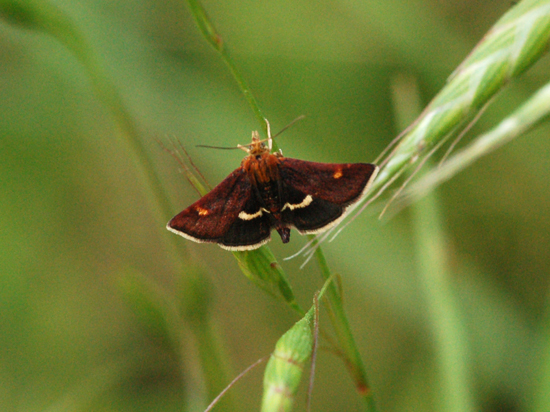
{"x": 258, "y": 146}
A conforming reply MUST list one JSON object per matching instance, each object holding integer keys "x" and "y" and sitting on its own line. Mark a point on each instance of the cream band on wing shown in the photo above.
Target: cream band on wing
{"x": 246, "y": 216}
{"x": 305, "y": 203}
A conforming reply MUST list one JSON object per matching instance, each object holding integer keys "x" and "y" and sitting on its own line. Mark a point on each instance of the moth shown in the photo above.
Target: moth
{"x": 269, "y": 191}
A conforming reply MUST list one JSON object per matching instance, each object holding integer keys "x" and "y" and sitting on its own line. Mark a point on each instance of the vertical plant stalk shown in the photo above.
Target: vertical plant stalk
{"x": 341, "y": 325}
{"x": 433, "y": 272}
{"x": 258, "y": 265}
{"x": 216, "y": 41}
{"x": 451, "y": 347}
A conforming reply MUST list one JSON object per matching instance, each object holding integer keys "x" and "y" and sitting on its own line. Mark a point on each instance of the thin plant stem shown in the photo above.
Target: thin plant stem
{"x": 451, "y": 348}
{"x": 215, "y": 40}
{"x": 345, "y": 337}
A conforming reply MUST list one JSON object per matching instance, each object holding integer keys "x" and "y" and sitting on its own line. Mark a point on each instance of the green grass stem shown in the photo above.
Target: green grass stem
{"x": 212, "y": 36}
{"x": 340, "y": 323}
{"x": 447, "y": 327}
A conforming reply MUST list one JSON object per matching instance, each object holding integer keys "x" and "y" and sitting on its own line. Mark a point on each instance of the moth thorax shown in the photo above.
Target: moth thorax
{"x": 261, "y": 169}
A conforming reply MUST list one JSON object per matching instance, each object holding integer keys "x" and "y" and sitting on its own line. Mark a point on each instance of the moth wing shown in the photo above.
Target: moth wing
{"x": 210, "y": 217}
{"x": 341, "y": 184}
{"x": 216, "y": 217}
{"x": 245, "y": 234}
{"x": 310, "y": 214}
{"x": 317, "y": 194}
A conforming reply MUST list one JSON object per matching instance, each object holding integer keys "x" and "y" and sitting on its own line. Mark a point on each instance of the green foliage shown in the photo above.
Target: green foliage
{"x": 445, "y": 308}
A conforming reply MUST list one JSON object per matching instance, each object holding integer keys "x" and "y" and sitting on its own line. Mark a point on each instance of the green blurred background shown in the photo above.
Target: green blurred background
{"x": 76, "y": 215}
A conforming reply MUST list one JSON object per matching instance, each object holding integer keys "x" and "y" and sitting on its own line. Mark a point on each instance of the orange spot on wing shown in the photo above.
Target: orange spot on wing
{"x": 202, "y": 212}
{"x": 338, "y": 174}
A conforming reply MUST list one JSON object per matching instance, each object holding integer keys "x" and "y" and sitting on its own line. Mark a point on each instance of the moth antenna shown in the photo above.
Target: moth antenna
{"x": 218, "y": 147}
{"x": 269, "y": 139}
{"x": 288, "y": 125}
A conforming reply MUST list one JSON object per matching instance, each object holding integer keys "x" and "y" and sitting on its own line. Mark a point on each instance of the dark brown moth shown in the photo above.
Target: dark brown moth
{"x": 270, "y": 191}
